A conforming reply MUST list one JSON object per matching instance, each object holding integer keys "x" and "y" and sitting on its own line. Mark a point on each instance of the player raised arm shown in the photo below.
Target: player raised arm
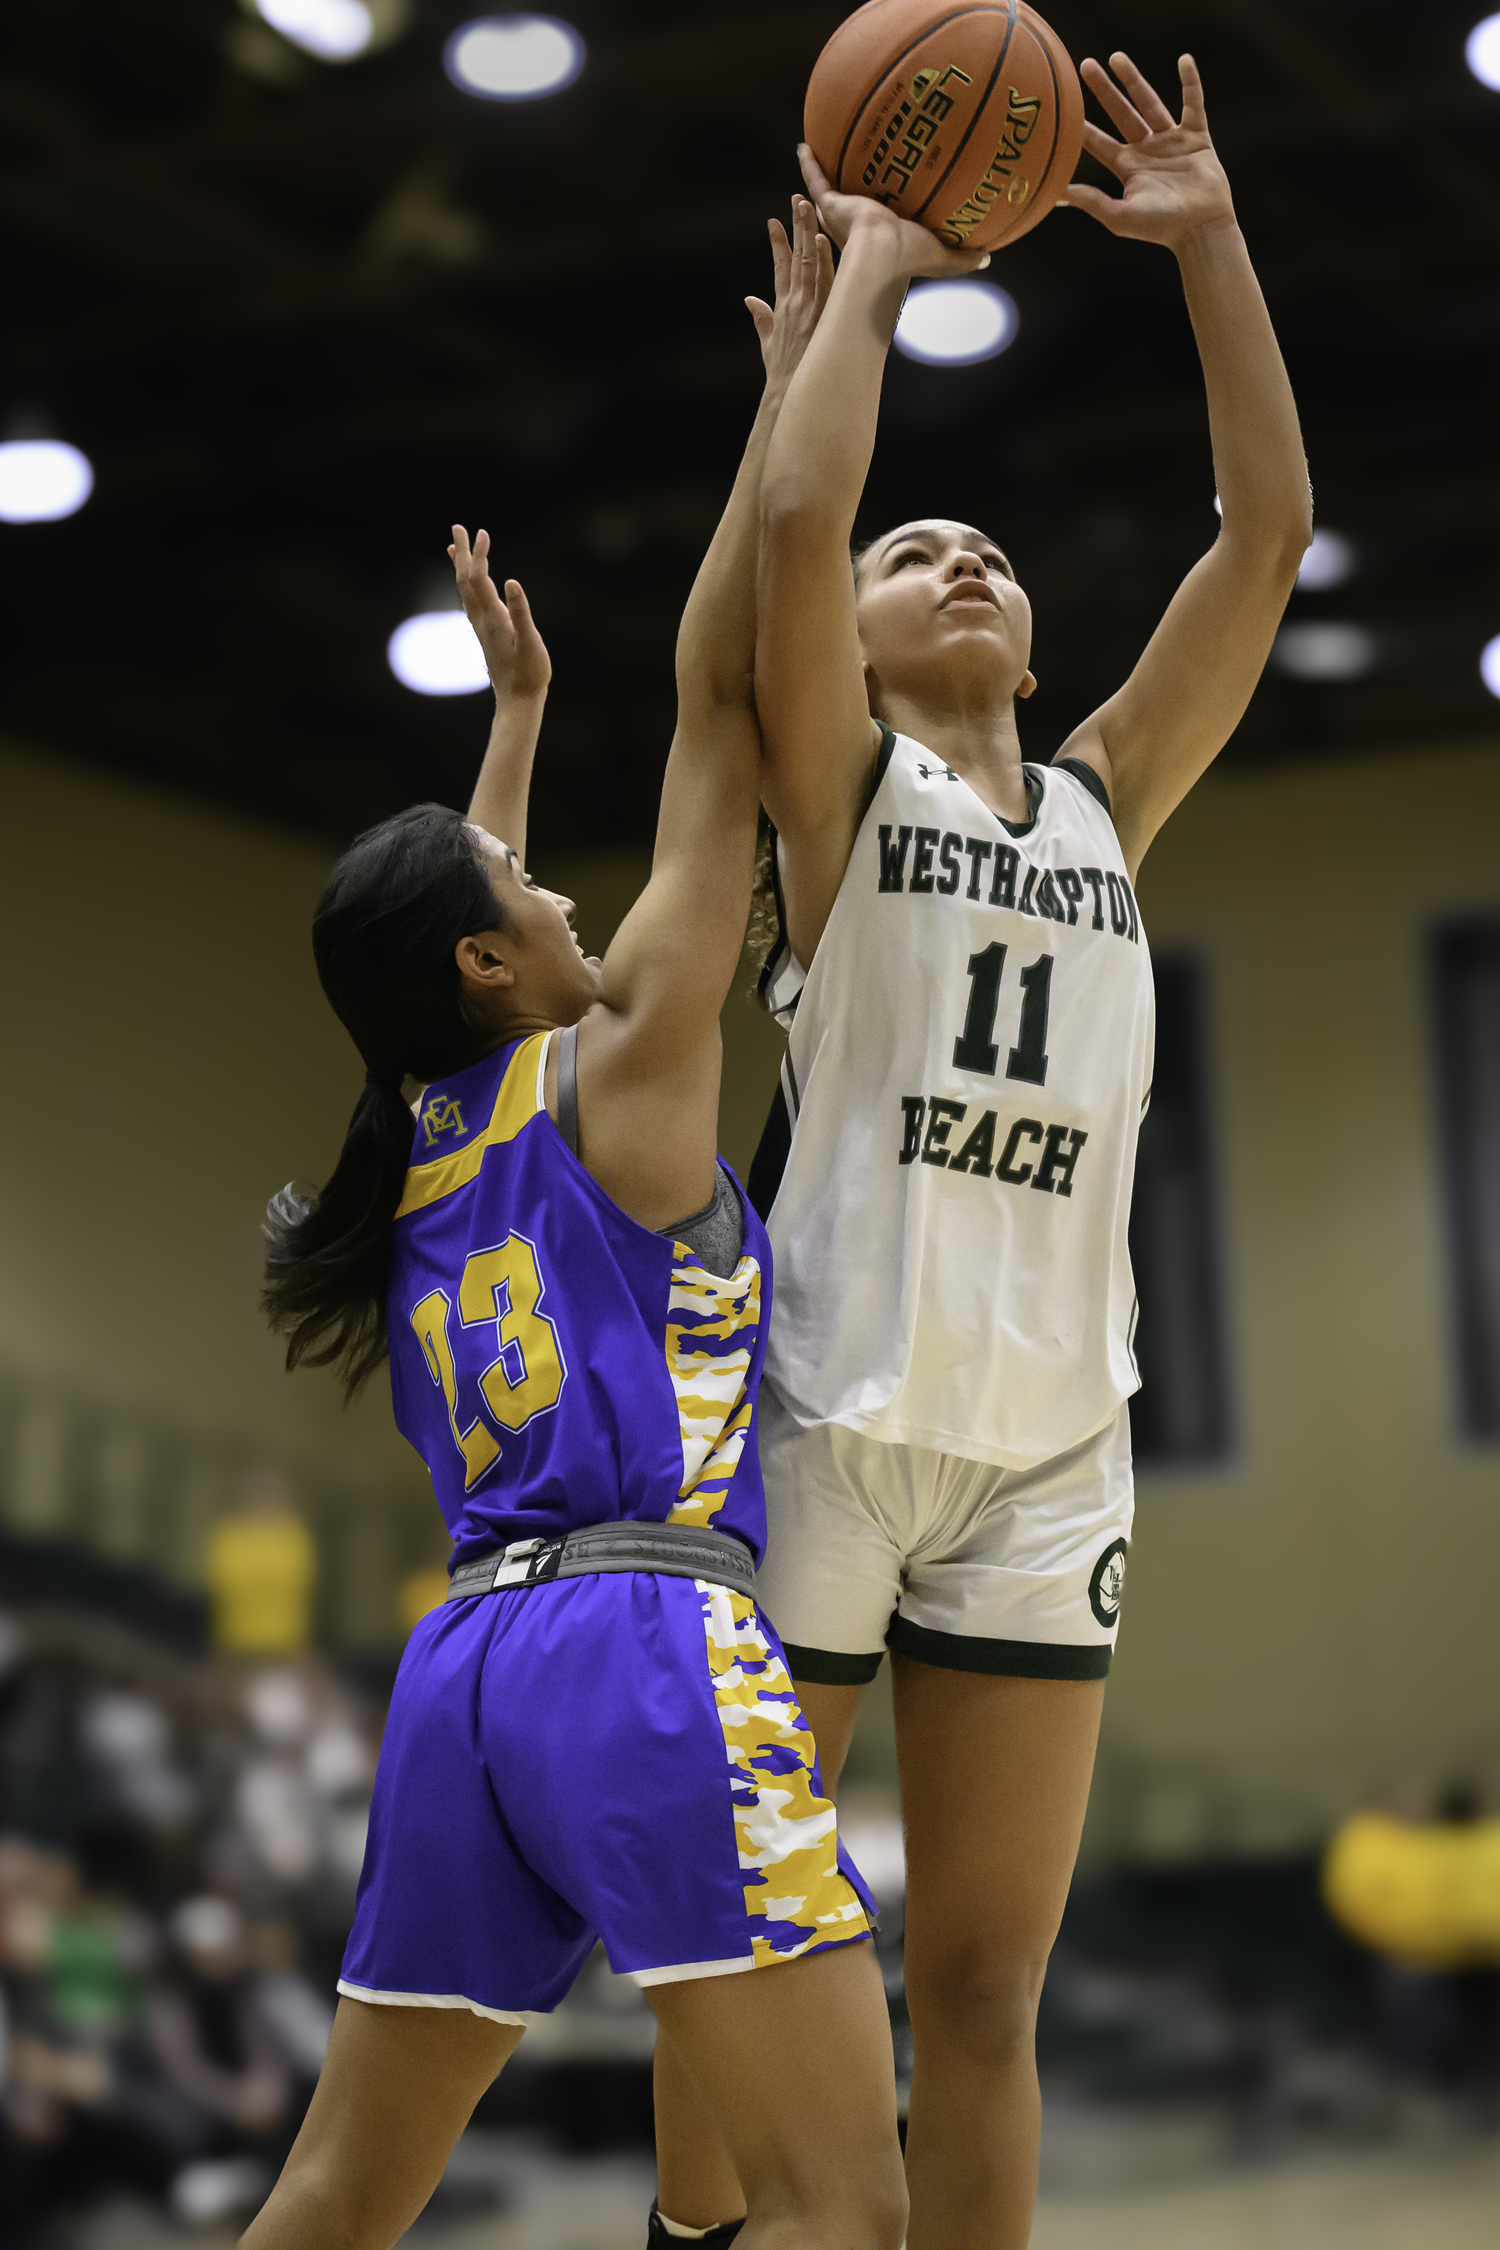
{"x": 820, "y": 741}
{"x": 1152, "y": 740}
{"x": 520, "y": 673}
{"x": 649, "y": 1052}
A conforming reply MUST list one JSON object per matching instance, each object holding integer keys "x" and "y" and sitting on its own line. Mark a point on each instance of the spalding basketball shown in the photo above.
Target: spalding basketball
{"x": 968, "y": 119}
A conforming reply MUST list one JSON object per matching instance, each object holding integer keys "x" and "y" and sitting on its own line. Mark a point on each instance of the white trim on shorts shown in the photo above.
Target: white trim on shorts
{"x": 681, "y": 1971}
{"x": 429, "y": 2000}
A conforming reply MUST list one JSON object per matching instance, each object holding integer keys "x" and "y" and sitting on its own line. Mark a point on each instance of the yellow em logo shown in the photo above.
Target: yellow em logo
{"x": 441, "y": 1116}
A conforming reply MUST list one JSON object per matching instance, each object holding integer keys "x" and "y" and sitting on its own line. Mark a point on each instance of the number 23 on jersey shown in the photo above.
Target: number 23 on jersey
{"x": 500, "y": 1290}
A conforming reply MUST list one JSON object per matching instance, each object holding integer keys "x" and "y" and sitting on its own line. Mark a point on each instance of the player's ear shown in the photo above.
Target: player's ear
{"x": 1026, "y": 685}
{"x": 481, "y": 962}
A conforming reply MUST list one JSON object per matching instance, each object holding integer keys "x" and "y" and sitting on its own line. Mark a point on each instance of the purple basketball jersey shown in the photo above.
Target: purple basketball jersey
{"x": 554, "y": 1363}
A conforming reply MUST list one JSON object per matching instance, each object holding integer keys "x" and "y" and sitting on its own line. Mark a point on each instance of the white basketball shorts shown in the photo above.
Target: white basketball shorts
{"x": 957, "y": 1563}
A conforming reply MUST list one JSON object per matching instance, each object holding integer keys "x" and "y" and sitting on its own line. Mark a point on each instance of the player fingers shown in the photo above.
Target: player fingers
{"x": 762, "y": 315}
{"x": 460, "y": 553}
{"x": 781, "y": 257}
{"x": 825, "y": 270}
{"x": 1127, "y": 120}
{"x": 819, "y": 185}
{"x": 805, "y": 235}
{"x": 1143, "y": 94}
{"x": 1194, "y": 113}
{"x": 1099, "y": 206}
{"x": 1103, "y": 145}
{"x": 516, "y": 603}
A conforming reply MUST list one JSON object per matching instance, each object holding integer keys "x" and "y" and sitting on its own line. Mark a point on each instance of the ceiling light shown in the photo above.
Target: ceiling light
{"x": 955, "y": 323}
{"x": 1328, "y": 562}
{"x": 1325, "y": 652}
{"x": 333, "y": 30}
{"x": 1482, "y": 52}
{"x": 1489, "y": 665}
{"x": 42, "y": 480}
{"x": 514, "y": 58}
{"x": 436, "y": 653}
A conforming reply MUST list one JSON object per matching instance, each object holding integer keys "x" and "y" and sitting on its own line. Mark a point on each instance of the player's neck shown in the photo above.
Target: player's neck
{"x": 981, "y": 743}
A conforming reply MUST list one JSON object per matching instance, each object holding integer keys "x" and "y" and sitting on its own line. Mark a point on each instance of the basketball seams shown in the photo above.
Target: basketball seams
{"x": 880, "y": 110}
{"x": 1046, "y": 53}
{"x": 894, "y": 62}
{"x": 980, "y": 108}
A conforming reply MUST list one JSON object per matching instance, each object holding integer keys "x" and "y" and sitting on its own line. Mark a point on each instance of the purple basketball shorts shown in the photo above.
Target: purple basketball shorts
{"x": 618, "y": 1757}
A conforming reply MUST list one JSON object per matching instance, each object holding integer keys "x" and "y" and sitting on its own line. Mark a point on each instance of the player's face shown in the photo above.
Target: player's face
{"x": 937, "y": 601}
{"x": 554, "y": 978}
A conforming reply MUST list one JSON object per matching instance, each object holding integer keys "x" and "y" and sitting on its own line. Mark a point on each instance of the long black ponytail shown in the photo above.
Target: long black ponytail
{"x": 383, "y": 938}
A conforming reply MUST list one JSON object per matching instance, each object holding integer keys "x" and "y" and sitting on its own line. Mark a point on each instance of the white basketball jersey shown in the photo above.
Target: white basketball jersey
{"x": 969, "y": 1061}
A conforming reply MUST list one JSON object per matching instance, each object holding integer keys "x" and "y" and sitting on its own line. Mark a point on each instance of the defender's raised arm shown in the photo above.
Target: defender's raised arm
{"x": 520, "y": 673}
{"x": 668, "y": 972}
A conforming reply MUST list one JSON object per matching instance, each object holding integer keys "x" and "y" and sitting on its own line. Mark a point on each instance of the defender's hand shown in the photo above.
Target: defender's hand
{"x": 914, "y": 251}
{"x": 1174, "y": 184}
{"x": 804, "y": 276}
{"x": 514, "y": 651}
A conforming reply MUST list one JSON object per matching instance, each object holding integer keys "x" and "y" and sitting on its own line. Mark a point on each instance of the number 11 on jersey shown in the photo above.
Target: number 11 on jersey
{"x": 975, "y": 1048}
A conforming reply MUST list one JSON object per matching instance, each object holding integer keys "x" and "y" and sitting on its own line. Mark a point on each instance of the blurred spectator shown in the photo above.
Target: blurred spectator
{"x": 1425, "y": 1896}
{"x": 419, "y": 1592}
{"x": 262, "y": 1569}
{"x": 179, "y": 1845}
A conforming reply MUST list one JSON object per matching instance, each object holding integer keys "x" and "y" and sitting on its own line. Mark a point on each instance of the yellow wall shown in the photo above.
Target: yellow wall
{"x": 1318, "y": 1620}
{"x": 1308, "y": 1624}
{"x": 173, "y": 1062}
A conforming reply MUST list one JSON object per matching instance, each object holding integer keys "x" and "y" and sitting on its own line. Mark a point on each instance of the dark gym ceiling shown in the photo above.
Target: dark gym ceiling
{"x": 301, "y": 316}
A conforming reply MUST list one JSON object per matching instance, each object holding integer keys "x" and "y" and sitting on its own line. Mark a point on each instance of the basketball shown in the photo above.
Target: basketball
{"x": 968, "y": 119}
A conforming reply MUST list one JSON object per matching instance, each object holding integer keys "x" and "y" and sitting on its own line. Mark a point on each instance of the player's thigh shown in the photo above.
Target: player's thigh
{"x": 995, "y": 1776}
{"x": 398, "y": 2086}
{"x": 830, "y": 1713}
{"x": 794, "y": 2064}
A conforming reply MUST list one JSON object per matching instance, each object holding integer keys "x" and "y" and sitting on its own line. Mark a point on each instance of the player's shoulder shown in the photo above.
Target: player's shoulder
{"x": 1081, "y": 774}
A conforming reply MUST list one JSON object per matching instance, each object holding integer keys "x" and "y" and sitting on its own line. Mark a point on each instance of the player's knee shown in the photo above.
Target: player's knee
{"x": 316, "y": 2205}
{"x": 981, "y": 2003}
{"x": 861, "y": 2202}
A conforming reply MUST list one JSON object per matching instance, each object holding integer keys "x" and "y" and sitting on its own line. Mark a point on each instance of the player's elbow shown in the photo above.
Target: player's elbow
{"x": 1270, "y": 550}
{"x": 714, "y": 677}
{"x": 796, "y": 512}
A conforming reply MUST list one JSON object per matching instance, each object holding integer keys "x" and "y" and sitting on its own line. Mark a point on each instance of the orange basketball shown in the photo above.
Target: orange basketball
{"x": 968, "y": 118}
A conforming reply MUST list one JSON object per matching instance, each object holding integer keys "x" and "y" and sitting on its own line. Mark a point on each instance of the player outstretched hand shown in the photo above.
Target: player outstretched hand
{"x": 1173, "y": 182}
{"x": 804, "y": 275}
{"x": 514, "y": 650}
{"x": 917, "y": 250}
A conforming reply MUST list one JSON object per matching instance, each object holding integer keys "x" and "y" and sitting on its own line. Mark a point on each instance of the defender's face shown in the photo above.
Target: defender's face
{"x": 941, "y": 592}
{"x": 553, "y": 974}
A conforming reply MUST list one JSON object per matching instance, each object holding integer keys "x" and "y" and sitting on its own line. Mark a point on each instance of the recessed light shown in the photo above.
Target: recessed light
{"x": 333, "y": 30}
{"x": 1482, "y": 52}
{"x": 42, "y": 480}
{"x": 436, "y": 653}
{"x": 514, "y": 58}
{"x": 1325, "y": 652}
{"x": 956, "y": 323}
{"x": 1329, "y": 561}
{"x": 1489, "y": 665}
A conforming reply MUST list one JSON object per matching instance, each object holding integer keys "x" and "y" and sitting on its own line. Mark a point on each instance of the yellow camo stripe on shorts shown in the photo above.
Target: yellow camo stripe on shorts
{"x": 796, "y": 1895}
{"x": 712, "y": 1325}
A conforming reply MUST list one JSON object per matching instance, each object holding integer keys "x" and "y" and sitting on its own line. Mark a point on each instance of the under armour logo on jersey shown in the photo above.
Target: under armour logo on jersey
{"x": 442, "y": 1115}
{"x": 929, "y": 773}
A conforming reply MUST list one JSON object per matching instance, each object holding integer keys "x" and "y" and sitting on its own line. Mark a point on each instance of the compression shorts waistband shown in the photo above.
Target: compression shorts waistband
{"x": 674, "y": 1550}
